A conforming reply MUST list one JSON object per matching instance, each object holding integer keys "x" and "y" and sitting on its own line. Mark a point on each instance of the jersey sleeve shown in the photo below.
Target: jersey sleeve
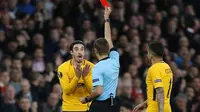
{"x": 67, "y": 87}
{"x": 156, "y": 77}
{"x": 97, "y": 77}
{"x": 114, "y": 54}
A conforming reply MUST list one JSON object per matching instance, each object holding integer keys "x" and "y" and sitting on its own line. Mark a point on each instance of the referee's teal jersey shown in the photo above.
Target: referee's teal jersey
{"x": 106, "y": 73}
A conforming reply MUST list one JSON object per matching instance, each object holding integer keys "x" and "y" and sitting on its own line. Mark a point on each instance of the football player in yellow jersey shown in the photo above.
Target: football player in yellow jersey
{"x": 159, "y": 82}
{"x": 75, "y": 78}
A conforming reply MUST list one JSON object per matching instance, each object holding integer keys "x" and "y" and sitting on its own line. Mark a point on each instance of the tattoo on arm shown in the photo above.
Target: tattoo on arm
{"x": 160, "y": 99}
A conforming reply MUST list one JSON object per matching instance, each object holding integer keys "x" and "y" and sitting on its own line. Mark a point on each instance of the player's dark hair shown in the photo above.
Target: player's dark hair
{"x": 157, "y": 48}
{"x": 76, "y": 42}
{"x": 102, "y": 46}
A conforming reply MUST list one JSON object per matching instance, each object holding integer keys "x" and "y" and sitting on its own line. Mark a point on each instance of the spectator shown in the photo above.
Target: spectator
{"x": 12, "y": 5}
{"x": 26, "y": 92}
{"x": 69, "y": 31}
{"x": 180, "y": 103}
{"x": 26, "y": 66}
{"x": 64, "y": 49}
{"x": 16, "y": 77}
{"x": 49, "y": 7}
{"x": 51, "y": 105}
{"x": 58, "y": 90}
{"x": 38, "y": 41}
{"x": 8, "y": 104}
{"x": 25, "y": 105}
{"x": 17, "y": 63}
{"x": 59, "y": 24}
{"x": 7, "y": 62}
{"x": 38, "y": 62}
{"x": 4, "y": 80}
{"x": 190, "y": 95}
{"x": 34, "y": 33}
{"x": 133, "y": 70}
{"x": 196, "y": 84}
{"x": 52, "y": 44}
{"x": 11, "y": 49}
{"x": 34, "y": 82}
{"x": 137, "y": 90}
{"x": 126, "y": 94}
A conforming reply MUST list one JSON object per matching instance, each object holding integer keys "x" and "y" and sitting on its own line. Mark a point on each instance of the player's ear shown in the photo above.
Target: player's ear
{"x": 71, "y": 52}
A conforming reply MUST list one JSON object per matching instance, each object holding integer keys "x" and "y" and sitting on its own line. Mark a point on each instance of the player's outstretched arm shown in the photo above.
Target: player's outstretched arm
{"x": 107, "y": 30}
{"x": 160, "y": 98}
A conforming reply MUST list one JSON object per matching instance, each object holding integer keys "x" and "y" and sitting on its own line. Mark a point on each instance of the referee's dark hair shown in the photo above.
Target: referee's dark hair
{"x": 157, "y": 48}
{"x": 102, "y": 46}
{"x": 76, "y": 42}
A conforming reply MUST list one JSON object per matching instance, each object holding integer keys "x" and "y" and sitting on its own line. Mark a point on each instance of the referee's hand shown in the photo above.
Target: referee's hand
{"x": 107, "y": 12}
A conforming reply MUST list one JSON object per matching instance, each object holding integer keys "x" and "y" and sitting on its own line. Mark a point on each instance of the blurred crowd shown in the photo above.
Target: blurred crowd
{"x": 35, "y": 36}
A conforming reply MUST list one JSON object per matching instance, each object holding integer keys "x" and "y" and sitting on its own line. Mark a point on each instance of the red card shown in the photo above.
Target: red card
{"x": 105, "y": 3}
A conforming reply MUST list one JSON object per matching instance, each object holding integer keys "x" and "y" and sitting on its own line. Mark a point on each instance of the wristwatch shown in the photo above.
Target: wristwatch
{"x": 107, "y": 20}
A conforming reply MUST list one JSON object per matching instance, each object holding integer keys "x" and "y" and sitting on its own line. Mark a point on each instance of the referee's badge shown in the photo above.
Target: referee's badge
{"x": 95, "y": 80}
{"x": 60, "y": 74}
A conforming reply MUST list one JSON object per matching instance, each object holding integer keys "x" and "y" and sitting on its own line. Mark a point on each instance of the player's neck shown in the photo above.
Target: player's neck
{"x": 157, "y": 60}
{"x": 102, "y": 57}
{"x": 75, "y": 63}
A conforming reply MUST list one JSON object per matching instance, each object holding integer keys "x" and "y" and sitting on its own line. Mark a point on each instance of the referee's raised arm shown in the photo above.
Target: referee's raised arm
{"x": 107, "y": 30}
{"x": 107, "y": 34}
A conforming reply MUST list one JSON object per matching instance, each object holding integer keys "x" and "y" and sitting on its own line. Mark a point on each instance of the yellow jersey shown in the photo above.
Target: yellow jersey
{"x": 159, "y": 75}
{"x": 73, "y": 88}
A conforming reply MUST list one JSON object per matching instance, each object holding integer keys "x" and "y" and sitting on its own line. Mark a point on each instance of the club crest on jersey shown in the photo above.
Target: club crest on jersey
{"x": 59, "y": 74}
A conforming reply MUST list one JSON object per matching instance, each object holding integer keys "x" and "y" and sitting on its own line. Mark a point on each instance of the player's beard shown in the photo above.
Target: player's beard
{"x": 78, "y": 60}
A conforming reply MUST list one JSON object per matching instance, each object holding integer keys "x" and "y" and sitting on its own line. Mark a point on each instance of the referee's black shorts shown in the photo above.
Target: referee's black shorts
{"x": 104, "y": 106}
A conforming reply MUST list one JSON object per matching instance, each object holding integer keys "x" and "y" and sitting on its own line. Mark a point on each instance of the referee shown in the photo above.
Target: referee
{"x": 105, "y": 73}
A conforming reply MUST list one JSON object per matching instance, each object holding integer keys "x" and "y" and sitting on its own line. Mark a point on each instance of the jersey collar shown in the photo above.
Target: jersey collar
{"x": 103, "y": 59}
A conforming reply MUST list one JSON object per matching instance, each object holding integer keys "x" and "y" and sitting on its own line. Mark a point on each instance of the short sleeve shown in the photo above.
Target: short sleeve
{"x": 155, "y": 75}
{"x": 114, "y": 54}
{"x": 97, "y": 77}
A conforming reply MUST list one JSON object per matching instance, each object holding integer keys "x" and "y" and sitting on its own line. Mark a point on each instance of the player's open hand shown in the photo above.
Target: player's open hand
{"x": 86, "y": 70}
{"x": 78, "y": 71}
{"x": 107, "y": 12}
